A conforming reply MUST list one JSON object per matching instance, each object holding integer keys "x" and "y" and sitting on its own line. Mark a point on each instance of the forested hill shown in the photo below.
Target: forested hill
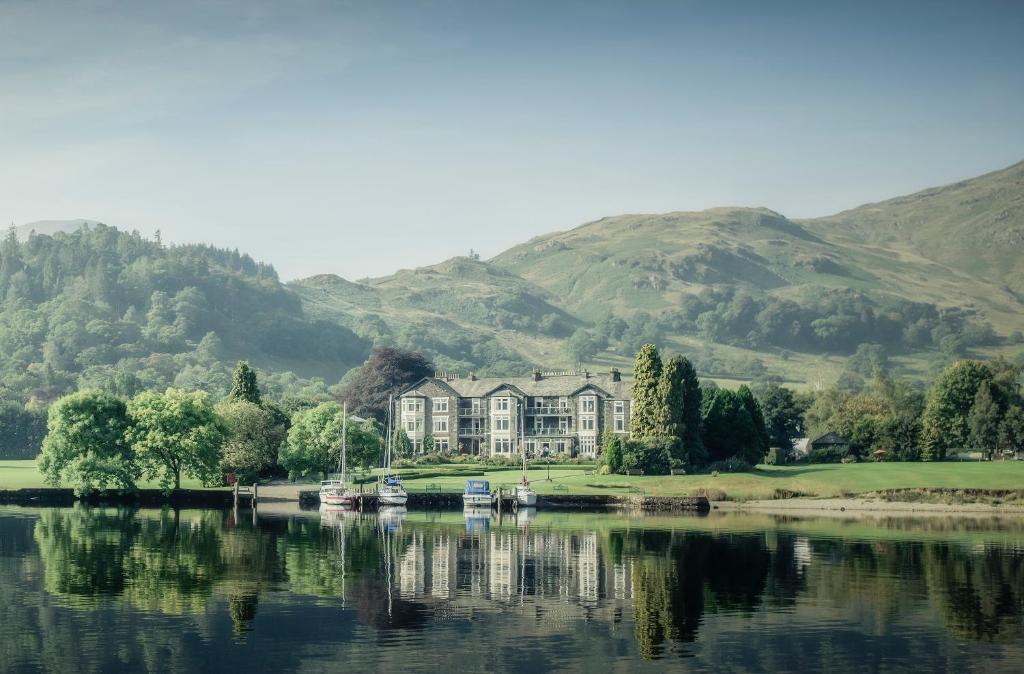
{"x": 103, "y": 308}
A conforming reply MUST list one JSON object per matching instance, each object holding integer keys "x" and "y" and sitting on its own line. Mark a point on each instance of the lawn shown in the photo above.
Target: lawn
{"x": 25, "y": 475}
{"x": 824, "y": 480}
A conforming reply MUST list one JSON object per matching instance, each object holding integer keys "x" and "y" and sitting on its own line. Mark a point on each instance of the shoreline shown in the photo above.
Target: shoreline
{"x": 868, "y": 504}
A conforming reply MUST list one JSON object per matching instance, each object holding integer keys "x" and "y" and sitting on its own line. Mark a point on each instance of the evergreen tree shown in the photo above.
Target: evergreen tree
{"x": 646, "y": 375}
{"x": 243, "y": 384}
{"x": 983, "y": 421}
{"x": 668, "y": 409}
{"x": 756, "y": 416}
{"x": 693, "y": 444}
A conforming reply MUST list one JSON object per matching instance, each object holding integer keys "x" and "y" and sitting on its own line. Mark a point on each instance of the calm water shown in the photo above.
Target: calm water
{"x": 129, "y": 590}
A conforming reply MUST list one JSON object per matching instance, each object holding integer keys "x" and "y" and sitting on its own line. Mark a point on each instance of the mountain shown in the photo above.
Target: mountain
{"x": 466, "y": 314}
{"x": 102, "y": 308}
{"x": 974, "y": 226}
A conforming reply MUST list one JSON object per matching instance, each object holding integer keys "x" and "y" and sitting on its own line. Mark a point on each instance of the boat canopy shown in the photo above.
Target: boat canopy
{"x": 332, "y": 483}
{"x": 478, "y": 487}
{"x": 392, "y": 480}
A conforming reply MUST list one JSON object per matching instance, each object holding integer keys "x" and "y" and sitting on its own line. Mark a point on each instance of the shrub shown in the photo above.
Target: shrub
{"x": 827, "y": 455}
{"x": 650, "y": 455}
{"x": 733, "y": 464}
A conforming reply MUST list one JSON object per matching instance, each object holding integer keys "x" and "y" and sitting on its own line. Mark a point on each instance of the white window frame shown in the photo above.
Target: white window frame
{"x": 588, "y": 422}
{"x": 440, "y": 424}
{"x": 441, "y": 444}
{"x": 502, "y": 423}
{"x": 588, "y": 404}
{"x": 440, "y": 405}
{"x": 502, "y": 404}
{"x": 588, "y": 446}
{"x": 412, "y": 405}
{"x": 619, "y": 406}
{"x": 620, "y": 423}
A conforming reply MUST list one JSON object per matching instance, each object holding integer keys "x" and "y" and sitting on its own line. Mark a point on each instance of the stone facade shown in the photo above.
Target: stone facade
{"x": 544, "y": 413}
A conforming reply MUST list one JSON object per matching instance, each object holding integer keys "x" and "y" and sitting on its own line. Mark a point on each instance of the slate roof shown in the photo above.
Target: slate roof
{"x": 830, "y": 439}
{"x": 547, "y": 385}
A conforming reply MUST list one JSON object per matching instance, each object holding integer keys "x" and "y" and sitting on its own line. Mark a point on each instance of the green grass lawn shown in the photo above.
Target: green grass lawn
{"x": 823, "y": 480}
{"x": 25, "y": 475}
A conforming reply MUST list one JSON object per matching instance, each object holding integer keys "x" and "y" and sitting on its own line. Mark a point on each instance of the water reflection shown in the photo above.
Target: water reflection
{"x": 582, "y": 588}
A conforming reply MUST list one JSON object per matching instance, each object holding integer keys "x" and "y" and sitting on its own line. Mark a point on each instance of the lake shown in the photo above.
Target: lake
{"x": 109, "y": 589}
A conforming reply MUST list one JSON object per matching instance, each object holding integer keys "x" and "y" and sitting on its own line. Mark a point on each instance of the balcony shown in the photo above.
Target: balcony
{"x": 472, "y": 412}
{"x": 471, "y": 432}
{"x": 550, "y": 410}
{"x": 549, "y": 432}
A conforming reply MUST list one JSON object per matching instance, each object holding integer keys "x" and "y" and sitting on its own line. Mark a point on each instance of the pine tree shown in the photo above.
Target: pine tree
{"x": 746, "y": 396}
{"x": 668, "y": 409}
{"x": 693, "y": 444}
{"x": 646, "y": 375}
{"x": 243, "y": 384}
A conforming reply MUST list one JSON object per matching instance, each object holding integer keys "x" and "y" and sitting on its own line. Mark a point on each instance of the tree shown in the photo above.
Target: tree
{"x": 255, "y": 436}
{"x": 611, "y": 451}
{"x": 693, "y": 445}
{"x": 646, "y": 375}
{"x": 944, "y": 423}
{"x": 582, "y": 346}
{"x": 85, "y": 443}
{"x": 243, "y": 384}
{"x": 314, "y": 441}
{"x": 387, "y": 371}
{"x": 983, "y": 421}
{"x": 176, "y": 432}
{"x": 668, "y": 405}
{"x": 757, "y": 417}
{"x": 728, "y": 428}
{"x": 652, "y": 455}
{"x": 783, "y": 416}
{"x": 1011, "y": 430}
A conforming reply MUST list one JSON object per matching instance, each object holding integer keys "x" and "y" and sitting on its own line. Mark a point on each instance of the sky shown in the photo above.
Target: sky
{"x": 358, "y": 138}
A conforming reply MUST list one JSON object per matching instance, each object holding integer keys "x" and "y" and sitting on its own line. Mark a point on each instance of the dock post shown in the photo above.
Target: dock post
{"x": 255, "y": 493}
{"x": 236, "y": 493}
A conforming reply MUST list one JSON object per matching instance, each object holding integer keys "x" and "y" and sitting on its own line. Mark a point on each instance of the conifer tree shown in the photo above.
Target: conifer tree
{"x": 693, "y": 444}
{"x": 983, "y": 421}
{"x": 646, "y": 375}
{"x": 746, "y": 396}
{"x": 243, "y": 384}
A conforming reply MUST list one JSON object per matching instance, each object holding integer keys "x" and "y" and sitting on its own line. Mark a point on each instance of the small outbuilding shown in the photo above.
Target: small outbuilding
{"x": 830, "y": 441}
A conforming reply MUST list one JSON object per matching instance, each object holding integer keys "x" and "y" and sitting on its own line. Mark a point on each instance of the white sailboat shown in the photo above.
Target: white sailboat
{"x": 390, "y": 491}
{"x": 333, "y": 492}
{"x": 525, "y": 496}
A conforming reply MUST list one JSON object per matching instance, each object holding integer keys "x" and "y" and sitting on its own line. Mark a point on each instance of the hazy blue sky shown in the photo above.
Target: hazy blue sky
{"x": 361, "y": 137}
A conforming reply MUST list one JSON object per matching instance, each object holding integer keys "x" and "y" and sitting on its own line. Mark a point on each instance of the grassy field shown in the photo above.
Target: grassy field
{"x": 813, "y": 480}
{"x": 25, "y": 475}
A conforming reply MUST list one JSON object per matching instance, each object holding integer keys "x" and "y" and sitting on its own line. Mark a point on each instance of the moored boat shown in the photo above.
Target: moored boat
{"x": 334, "y": 492}
{"x": 477, "y": 494}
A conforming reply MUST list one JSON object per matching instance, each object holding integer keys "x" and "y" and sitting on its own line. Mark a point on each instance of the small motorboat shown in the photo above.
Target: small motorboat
{"x": 525, "y": 496}
{"x": 477, "y": 494}
{"x": 391, "y": 493}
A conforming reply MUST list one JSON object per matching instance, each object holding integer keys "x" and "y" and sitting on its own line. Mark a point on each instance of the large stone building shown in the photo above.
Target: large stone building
{"x": 545, "y": 413}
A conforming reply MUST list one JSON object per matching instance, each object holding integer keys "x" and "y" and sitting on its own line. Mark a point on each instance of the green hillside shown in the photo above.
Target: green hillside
{"x": 103, "y": 308}
{"x": 464, "y": 313}
{"x": 975, "y": 227}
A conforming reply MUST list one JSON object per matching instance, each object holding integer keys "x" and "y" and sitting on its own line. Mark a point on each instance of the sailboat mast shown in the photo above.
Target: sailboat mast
{"x": 344, "y": 441}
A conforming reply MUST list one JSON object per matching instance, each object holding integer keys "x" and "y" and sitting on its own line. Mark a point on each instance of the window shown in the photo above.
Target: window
{"x": 588, "y": 404}
{"x": 503, "y": 446}
{"x": 588, "y": 446}
{"x": 413, "y": 425}
{"x": 441, "y": 405}
{"x": 440, "y": 424}
{"x": 531, "y": 447}
{"x": 441, "y": 445}
{"x": 501, "y": 423}
{"x": 560, "y": 446}
{"x": 501, "y": 404}
{"x": 412, "y": 405}
{"x": 620, "y": 424}
{"x": 587, "y": 422}
{"x": 620, "y": 406}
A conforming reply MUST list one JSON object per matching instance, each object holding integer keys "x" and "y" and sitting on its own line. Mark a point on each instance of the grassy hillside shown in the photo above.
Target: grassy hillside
{"x": 975, "y": 227}
{"x": 463, "y": 313}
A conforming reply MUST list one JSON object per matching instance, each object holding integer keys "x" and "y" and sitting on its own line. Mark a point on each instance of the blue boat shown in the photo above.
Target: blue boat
{"x": 477, "y": 493}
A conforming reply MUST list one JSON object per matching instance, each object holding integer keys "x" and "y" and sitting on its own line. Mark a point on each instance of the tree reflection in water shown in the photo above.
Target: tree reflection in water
{"x": 669, "y": 580}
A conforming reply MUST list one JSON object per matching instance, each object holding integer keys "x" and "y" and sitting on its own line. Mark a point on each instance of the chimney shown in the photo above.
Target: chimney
{"x": 586, "y": 374}
{"x": 472, "y": 376}
{"x": 535, "y": 375}
{"x": 616, "y": 376}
